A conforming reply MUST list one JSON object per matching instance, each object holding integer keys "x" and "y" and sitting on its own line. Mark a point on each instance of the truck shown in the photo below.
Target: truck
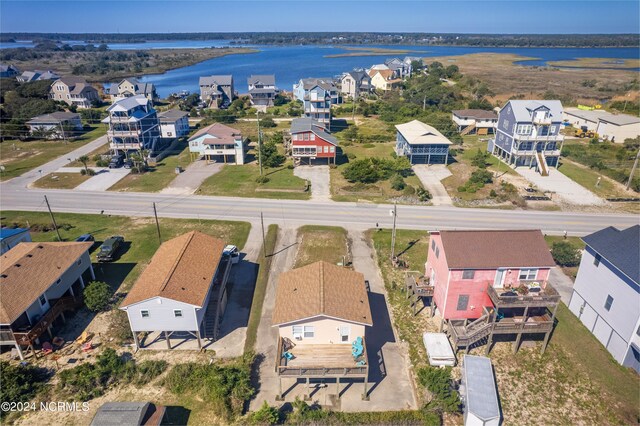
{"x": 109, "y": 249}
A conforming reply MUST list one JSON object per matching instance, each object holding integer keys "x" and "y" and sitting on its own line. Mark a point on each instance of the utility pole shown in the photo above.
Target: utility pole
{"x": 633, "y": 170}
{"x": 53, "y": 219}
{"x": 264, "y": 245}
{"x": 393, "y": 232}
{"x": 259, "y": 142}
{"x": 155, "y": 213}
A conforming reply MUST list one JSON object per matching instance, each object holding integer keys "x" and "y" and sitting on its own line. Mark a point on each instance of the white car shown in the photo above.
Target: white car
{"x": 232, "y": 252}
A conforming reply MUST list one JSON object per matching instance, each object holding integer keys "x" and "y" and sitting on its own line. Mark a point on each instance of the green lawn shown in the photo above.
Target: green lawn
{"x": 575, "y": 381}
{"x": 140, "y": 235}
{"x": 588, "y": 178}
{"x": 240, "y": 181}
{"x": 19, "y": 157}
{"x": 328, "y": 243}
{"x": 158, "y": 176}
{"x": 60, "y": 180}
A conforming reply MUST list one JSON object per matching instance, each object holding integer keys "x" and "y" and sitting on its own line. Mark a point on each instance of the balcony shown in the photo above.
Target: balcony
{"x": 541, "y": 120}
{"x": 520, "y": 324}
{"x": 331, "y": 360}
{"x": 126, "y": 146}
{"x": 28, "y": 336}
{"x": 539, "y": 138}
{"x": 551, "y": 152}
{"x": 124, "y": 133}
{"x": 418, "y": 284}
{"x": 512, "y": 298}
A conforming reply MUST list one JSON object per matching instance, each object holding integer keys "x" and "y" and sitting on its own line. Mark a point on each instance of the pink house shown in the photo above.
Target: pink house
{"x": 462, "y": 265}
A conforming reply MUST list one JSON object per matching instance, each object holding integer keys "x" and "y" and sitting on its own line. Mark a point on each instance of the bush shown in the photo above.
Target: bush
{"x": 83, "y": 172}
{"x": 438, "y": 382}
{"x": 102, "y": 163}
{"x": 565, "y": 254}
{"x": 21, "y": 383}
{"x": 91, "y": 172}
{"x": 97, "y": 295}
{"x": 397, "y": 183}
{"x": 266, "y": 415}
{"x": 351, "y": 156}
{"x": 268, "y": 123}
{"x": 424, "y": 194}
{"x": 371, "y": 170}
{"x": 262, "y": 179}
{"x": 480, "y": 159}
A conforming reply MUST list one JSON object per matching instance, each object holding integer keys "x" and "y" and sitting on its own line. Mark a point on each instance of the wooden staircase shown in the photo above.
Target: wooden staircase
{"x": 543, "y": 167}
{"x": 468, "y": 129}
{"x": 465, "y": 336}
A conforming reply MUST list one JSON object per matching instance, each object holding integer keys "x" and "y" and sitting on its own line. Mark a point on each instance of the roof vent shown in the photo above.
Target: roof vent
{"x": 29, "y": 255}
{"x": 17, "y": 265}
{"x": 40, "y": 246}
{"x": 3, "y": 276}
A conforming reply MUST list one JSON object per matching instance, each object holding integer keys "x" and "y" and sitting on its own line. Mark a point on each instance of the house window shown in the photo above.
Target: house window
{"x": 43, "y": 300}
{"x": 306, "y": 136}
{"x": 144, "y": 313}
{"x": 463, "y": 302}
{"x": 79, "y": 261}
{"x": 309, "y": 332}
{"x": 332, "y": 149}
{"x": 596, "y": 260}
{"x": 313, "y": 137}
{"x": 326, "y": 149}
{"x": 437, "y": 252}
{"x": 433, "y": 245}
{"x": 608, "y": 303}
{"x": 59, "y": 279}
{"x": 468, "y": 274}
{"x": 177, "y": 313}
{"x": 528, "y": 274}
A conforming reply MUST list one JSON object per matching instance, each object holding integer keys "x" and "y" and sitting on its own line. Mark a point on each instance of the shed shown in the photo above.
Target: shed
{"x": 439, "y": 349}
{"x": 128, "y": 413}
{"x": 478, "y": 392}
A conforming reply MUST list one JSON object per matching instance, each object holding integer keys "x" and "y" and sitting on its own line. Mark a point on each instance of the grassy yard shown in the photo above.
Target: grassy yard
{"x": 240, "y": 181}
{"x": 158, "y": 176}
{"x": 588, "y": 178}
{"x": 571, "y": 271}
{"x": 575, "y": 382}
{"x": 140, "y": 236}
{"x": 19, "y": 157}
{"x": 60, "y": 180}
{"x": 328, "y": 243}
{"x": 250, "y": 128}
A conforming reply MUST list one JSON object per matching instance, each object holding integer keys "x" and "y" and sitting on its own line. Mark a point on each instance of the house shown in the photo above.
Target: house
{"x": 302, "y": 88}
{"x": 183, "y": 290}
{"x": 48, "y": 75}
{"x": 38, "y": 283}
{"x": 11, "y": 237}
{"x": 217, "y": 91}
{"x": 133, "y": 125}
{"x": 475, "y": 121}
{"x": 498, "y": 280}
{"x": 37, "y": 75}
{"x": 8, "y": 71}
{"x": 173, "y": 123}
{"x": 355, "y": 83}
{"x": 218, "y": 142}
{"x": 262, "y": 91}
{"x": 401, "y": 67}
{"x": 310, "y": 140}
{"x": 614, "y": 127}
{"x": 74, "y": 91}
{"x": 421, "y": 143}
{"x": 321, "y": 312}
{"x": 57, "y": 125}
{"x": 384, "y": 79}
{"x": 317, "y": 96}
{"x": 129, "y": 413}
{"x": 132, "y": 87}
{"x": 478, "y": 392}
{"x": 606, "y": 294}
{"x": 528, "y": 134}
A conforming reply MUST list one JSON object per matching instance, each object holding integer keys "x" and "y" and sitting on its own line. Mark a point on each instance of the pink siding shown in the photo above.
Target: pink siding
{"x": 439, "y": 265}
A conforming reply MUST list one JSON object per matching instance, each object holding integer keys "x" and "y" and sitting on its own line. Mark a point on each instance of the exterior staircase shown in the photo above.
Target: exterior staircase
{"x": 468, "y": 129}
{"x": 464, "y": 336}
{"x": 543, "y": 167}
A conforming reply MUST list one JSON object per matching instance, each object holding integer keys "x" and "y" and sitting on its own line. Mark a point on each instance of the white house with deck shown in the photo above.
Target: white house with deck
{"x": 219, "y": 142}
{"x": 475, "y": 121}
{"x": 173, "y": 123}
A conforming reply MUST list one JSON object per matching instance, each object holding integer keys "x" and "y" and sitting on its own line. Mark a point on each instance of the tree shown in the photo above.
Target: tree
{"x": 280, "y": 100}
{"x": 397, "y": 183}
{"x": 270, "y": 155}
{"x": 266, "y": 415}
{"x": 480, "y": 159}
{"x": 565, "y": 254}
{"x": 21, "y": 383}
{"x": 84, "y": 159}
{"x": 268, "y": 122}
{"x": 97, "y": 295}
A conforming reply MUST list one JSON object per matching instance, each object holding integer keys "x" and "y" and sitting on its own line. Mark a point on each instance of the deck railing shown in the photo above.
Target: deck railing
{"x": 63, "y": 304}
{"x": 547, "y": 296}
{"x": 419, "y": 284}
{"x": 320, "y": 371}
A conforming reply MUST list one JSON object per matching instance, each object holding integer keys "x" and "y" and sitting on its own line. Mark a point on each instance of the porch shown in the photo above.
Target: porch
{"x": 530, "y": 294}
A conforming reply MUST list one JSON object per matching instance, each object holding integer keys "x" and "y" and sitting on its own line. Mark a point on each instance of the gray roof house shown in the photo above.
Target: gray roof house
{"x": 57, "y": 125}
{"x": 354, "y": 83}
{"x": 131, "y": 87}
{"x": 606, "y": 294}
{"x": 8, "y": 71}
{"x": 262, "y": 90}
{"x": 74, "y": 91}
{"x": 37, "y": 75}
{"x": 217, "y": 91}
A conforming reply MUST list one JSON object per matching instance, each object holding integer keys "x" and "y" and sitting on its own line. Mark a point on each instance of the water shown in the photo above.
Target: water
{"x": 291, "y": 63}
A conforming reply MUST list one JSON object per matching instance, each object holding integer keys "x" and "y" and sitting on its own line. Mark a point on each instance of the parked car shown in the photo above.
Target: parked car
{"x": 85, "y": 238}
{"x": 116, "y": 161}
{"x": 232, "y": 252}
{"x": 128, "y": 164}
{"x": 108, "y": 250}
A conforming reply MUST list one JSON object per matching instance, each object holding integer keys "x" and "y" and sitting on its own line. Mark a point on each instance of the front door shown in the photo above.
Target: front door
{"x": 345, "y": 331}
{"x": 499, "y": 282}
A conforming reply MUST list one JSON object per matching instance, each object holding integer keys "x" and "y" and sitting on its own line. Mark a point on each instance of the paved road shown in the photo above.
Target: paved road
{"x": 290, "y": 213}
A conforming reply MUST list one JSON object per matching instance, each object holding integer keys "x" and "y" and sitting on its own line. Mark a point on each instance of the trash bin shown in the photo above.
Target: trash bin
{"x": 178, "y": 170}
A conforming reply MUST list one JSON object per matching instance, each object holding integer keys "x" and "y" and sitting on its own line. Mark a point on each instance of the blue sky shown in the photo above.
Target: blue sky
{"x": 453, "y": 16}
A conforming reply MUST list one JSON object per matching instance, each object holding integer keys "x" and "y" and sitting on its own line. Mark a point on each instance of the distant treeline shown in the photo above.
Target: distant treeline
{"x": 479, "y": 40}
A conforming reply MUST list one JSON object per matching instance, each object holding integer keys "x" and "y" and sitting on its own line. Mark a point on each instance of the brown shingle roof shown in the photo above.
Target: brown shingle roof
{"x": 182, "y": 269}
{"x": 479, "y": 114}
{"x": 218, "y": 130}
{"x": 495, "y": 249}
{"x": 321, "y": 289}
{"x": 29, "y": 269}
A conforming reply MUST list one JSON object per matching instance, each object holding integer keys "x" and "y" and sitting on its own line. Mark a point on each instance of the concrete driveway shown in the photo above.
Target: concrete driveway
{"x": 104, "y": 178}
{"x": 319, "y": 178}
{"x": 562, "y": 283}
{"x": 565, "y": 188}
{"x": 192, "y": 177}
{"x": 431, "y": 176}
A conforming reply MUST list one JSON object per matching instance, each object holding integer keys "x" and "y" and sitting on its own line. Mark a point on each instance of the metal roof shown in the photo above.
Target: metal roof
{"x": 128, "y": 103}
{"x": 171, "y": 115}
{"x": 596, "y": 115}
{"x": 120, "y": 413}
{"x": 220, "y": 80}
{"x": 418, "y": 133}
{"x": 10, "y": 232}
{"x": 621, "y": 248}
{"x": 267, "y": 80}
{"x": 523, "y": 110}
{"x": 480, "y": 387}
{"x": 306, "y": 124}
{"x": 54, "y": 117}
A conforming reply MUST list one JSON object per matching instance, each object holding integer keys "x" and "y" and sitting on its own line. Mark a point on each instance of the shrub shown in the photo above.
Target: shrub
{"x": 480, "y": 159}
{"x": 83, "y": 172}
{"x": 438, "y": 382}
{"x": 351, "y": 156}
{"x": 481, "y": 176}
{"x": 266, "y": 415}
{"x": 267, "y": 123}
{"x": 397, "y": 183}
{"x": 21, "y": 383}
{"x": 102, "y": 163}
{"x": 424, "y": 194}
{"x": 493, "y": 193}
{"x": 97, "y": 295}
{"x": 565, "y": 254}
{"x": 91, "y": 172}
{"x": 371, "y": 170}
{"x": 262, "y": 179}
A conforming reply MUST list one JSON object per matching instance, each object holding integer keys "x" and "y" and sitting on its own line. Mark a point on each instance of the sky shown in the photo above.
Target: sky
{"x": 452, "y": 16}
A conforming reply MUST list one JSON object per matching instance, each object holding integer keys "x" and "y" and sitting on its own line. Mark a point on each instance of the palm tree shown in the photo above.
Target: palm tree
{"x": 84, "y": 159}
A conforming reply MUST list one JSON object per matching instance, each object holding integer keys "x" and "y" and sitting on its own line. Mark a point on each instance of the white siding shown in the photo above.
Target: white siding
{"x": 620, "y": 133}
{"x": 161, "y": 316}
{"x": 326, "y": 331}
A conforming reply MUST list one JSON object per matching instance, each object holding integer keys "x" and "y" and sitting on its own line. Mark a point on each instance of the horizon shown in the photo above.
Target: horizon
{"x": 315, "y": 32}
{"x": 517, "y": 17}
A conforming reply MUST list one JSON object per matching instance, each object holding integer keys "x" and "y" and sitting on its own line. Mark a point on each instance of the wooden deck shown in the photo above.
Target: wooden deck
{"x": 321, "y": 361}
{"x": 549, "y": 296}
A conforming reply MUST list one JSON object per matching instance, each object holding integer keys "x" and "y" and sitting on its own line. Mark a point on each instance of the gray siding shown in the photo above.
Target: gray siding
{"x": 161, "y": 316}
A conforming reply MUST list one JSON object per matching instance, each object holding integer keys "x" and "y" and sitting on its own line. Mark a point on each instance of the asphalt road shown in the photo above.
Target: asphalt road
{"x": 293, "y": 213}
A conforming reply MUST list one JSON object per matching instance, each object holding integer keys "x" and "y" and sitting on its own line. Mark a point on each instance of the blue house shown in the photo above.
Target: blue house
{"x": 528, "y": 134}
{"x": 421, "y": 143}
{"x": 317, "y": 96}
{"x": 11, "y": 237}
